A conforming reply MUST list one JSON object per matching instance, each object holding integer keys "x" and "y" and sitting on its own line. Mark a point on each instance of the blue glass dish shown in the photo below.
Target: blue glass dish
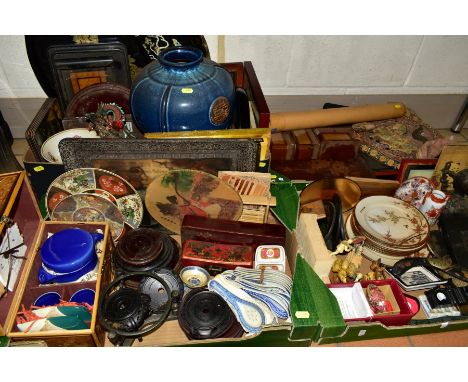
{"x": 83, "y": 296}
{"x": 48, "y": 299}
{"x": 69, "y": 250}
{"x": 67, "y": 255}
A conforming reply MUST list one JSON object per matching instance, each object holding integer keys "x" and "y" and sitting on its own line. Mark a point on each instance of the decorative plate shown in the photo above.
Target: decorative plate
{"x": 392, "y": 221}
{"x": 90, "y": 208}
{"x": 384, "y": 247}
{"x": 177, "y": 193}
{"x": 372, "y": 254}
{"x": 102, "y": 183}
{"x": 50, "y": 150}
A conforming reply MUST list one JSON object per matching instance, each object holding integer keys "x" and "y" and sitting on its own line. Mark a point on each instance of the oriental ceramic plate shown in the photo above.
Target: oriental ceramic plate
{"x": 50, "y": 148}
{"x": 177, "y": 193}
{"x": 98, "y": 182}
{"x": 392, "y": 221}
{"x": 374, "y": 254}
{"x": 90, "y": 208}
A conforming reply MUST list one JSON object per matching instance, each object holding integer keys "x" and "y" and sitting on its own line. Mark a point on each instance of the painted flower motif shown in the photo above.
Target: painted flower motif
{"x": 432, "y": 213}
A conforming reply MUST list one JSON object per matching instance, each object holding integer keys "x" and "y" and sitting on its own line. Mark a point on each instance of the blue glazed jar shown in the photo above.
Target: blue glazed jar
{"x": 182, "y": 91}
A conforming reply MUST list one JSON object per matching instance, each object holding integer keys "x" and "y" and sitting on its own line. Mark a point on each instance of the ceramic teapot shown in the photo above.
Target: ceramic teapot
{"x": 414, "y": 190}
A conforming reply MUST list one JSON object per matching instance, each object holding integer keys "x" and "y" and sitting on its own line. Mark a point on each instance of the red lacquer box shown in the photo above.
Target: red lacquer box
{"x": 232, "y": 232}
{"x": 215, "y": 256}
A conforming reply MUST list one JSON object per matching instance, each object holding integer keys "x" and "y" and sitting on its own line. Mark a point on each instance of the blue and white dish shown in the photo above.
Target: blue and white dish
{"x": 194, "y": 277}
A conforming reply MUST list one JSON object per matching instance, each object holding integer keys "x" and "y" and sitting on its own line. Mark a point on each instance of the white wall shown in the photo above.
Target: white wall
{"x": 355, "y": 64}
{"x": 308, "y": 64}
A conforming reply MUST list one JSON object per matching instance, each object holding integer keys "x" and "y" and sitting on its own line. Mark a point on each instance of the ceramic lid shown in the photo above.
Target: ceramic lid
{"x": 68, "y": 250}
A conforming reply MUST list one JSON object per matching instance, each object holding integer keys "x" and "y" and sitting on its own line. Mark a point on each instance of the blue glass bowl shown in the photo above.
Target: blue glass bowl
{"x": 69, "y": 250}
{"x": 83, "y": 296}
{"x": 48, "y": 299}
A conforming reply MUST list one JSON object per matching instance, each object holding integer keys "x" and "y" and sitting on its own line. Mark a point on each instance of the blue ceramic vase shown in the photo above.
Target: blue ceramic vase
{"x": 182, "y": 91}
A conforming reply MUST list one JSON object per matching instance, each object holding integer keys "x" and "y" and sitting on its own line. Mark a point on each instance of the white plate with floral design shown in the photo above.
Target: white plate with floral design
{"x": 392, "y": 221}
{"x": 377, "y": 255}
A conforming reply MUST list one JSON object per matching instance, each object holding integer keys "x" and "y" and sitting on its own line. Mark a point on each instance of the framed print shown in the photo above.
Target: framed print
{"x": 452, "y": 160}
{"x": 141, "y": 160}
{"x": 409, "y": 168}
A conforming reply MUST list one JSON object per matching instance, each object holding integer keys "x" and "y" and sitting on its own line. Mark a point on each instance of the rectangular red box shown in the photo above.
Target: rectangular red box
{"x": 232, "y": 232}
{"x": 402, "y": 318}
{"x": 216, "y": 256}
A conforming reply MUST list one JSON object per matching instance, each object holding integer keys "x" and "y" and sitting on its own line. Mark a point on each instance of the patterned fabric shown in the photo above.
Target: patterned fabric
{"x": 392, "y": 140}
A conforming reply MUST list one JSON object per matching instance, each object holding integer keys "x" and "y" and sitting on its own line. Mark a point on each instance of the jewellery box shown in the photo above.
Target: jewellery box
{"x": 23, "y": 211}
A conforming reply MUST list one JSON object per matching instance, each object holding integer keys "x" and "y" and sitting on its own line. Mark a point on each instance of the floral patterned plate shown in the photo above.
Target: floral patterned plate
{"x": 90, "y": 208}
{"x": 384, "y": 247}
{"x": 374, "y": 254}
{"x": 177, "y": 193}
{"x": 98, "y": 182}
{"x": 392, "y": 221}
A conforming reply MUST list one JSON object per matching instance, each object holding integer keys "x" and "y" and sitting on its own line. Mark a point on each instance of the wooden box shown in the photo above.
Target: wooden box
{"x": 34, "y": 230}
{"x": 49, "y": 119}
{"x": 337, "y": 144}
{"x": 14, "y": 191}
{"x": 232, "y": 232}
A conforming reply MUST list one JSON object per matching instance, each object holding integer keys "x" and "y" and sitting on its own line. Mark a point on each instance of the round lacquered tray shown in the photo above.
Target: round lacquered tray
{"x": 177, "y": 193}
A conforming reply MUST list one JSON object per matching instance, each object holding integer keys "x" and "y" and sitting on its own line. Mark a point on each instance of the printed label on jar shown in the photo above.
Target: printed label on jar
{"x": 219, "y": 111}
{"x": 270, "y": 253}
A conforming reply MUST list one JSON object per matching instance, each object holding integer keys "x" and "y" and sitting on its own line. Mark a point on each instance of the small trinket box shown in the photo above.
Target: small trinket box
{"x": 270, "y": 257}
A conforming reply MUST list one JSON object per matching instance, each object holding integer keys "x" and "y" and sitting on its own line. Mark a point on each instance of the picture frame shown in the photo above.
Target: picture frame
{"x": 141, "y": 160}
{"x": 410, "y": 168}
{"x": 452, "y": 160}
{"x": 77, "y": 66}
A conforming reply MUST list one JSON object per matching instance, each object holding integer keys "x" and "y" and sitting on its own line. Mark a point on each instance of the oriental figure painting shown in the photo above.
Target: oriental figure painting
{"x": 188, "y": 192}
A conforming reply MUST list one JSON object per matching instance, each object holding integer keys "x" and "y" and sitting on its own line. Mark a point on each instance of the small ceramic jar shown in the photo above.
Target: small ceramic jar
{"x": 414, "y": 190}
{"x": 433, "y": 205}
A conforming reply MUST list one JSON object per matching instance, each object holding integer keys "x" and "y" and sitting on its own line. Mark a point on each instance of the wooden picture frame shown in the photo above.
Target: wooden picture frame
{"x": 410, "y": 168}
{"x": 141, "y": 160}
{"x": 452, "y": 160}
{"x": 77, "y": 66}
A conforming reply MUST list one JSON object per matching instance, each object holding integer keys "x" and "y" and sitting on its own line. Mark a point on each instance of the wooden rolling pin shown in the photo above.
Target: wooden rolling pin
{"x": 336, "y": 116}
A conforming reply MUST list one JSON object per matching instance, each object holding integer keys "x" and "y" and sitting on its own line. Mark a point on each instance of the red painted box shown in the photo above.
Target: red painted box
{"x": 216, "y": 256}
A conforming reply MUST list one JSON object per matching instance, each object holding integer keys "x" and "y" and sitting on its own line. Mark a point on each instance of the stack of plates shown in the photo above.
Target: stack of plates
{"x": 393, "y": 229}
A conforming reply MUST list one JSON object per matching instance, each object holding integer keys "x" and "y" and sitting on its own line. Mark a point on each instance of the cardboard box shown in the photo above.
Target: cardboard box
{"x": 34, "y": 230}
{"x": 330, "y": 326}
{"x": 303, "y": 326}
